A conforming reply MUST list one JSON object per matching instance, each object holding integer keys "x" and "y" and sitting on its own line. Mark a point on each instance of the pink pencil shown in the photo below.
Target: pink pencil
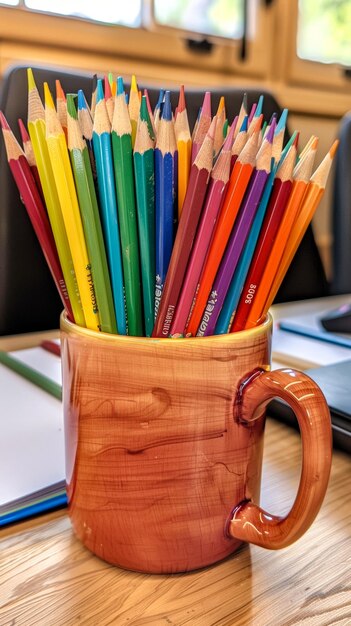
{"x": 202, "y": 127}
{"x": 214, "y": 200}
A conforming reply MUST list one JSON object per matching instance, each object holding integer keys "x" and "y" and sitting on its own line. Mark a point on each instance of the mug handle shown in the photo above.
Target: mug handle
{"x": 249, "y": 522}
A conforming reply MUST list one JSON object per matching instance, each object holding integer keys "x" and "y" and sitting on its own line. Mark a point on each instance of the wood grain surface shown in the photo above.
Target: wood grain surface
{"x": 47, "y": 578}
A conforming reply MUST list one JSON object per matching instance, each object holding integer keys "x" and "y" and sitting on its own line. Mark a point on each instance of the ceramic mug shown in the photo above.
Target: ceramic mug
{"x": 164, "y": 442}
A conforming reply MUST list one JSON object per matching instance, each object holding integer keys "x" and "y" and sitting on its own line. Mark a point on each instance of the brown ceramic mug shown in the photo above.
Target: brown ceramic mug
{"x": 164, "y": 441}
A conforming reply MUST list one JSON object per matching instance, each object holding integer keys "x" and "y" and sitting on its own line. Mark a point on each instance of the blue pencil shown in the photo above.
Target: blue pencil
{"x": 108, "y": 204}
{"x": 166, "y": 159}
{"x": 232, "y": 298}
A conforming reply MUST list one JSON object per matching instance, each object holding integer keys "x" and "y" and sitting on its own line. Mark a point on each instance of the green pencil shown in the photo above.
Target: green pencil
{"x": 32, "y": 375}
{"x": 145, "y": 197}
{"x": 83, "y": 177}
{"x": 124, "y": 178}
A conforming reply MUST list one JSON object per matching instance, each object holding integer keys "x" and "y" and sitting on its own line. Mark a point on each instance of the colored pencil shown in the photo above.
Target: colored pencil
{"x": 126, "y": 208}
{"x": 109, "y": 99}
{"x": 311, "y": 200}
{"x": 29, "y": 152}
{"x": 238, "y": 183}
{"x": 61, "y": 167}
{"x": 302, "y": 174}
{"x": 183, "y": 138}
{"x": 151, "y": 115}
{"x": 204, "y": 122}
{"x": 37, "y": 214}
{"x": 86, "y": 126}
{"x": 193, "y": 203}
{"x": 31, "y": 374}
{"x": 134, "y": 107}
{"x": 166, "y": 158}
{"x": 37, "y": 133}
{"x": 232, "y": 298}
{"x": 61, "y": 106}
{"x": 108, "y": 205}
{"x": 275, "y": 211}
{"x": 90, "y": 218}
{"x": 214, "y": 200}
{"x": 51, "y": 346}
{"x": 145, "y": 196}
{"x": 238, "y": 236}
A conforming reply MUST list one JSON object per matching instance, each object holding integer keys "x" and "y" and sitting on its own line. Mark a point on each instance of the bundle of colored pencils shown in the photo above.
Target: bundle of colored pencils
{"x": 152, "y": 228}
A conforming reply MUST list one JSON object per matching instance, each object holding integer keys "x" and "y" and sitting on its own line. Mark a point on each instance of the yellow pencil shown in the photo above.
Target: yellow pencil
{"x": 183, "y": 138}
{"x": 37, "y": 132}
{"x": 61, "y": 166}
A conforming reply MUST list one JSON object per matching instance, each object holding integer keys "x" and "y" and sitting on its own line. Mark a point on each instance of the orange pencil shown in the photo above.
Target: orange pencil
{"x": 221, "y": 117}
{"x": 239, "y": 180}
{"x": 61, "y": 106}
{"x": 302, "y": 174}
{"x": 312, "y": 198}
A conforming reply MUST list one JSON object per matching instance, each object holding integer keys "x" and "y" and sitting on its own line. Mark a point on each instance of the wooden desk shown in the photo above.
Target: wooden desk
{"x": 47, "y": 578}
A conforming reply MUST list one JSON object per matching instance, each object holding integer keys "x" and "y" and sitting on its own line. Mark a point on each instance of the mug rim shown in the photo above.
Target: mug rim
{"x": 73, "y": 328}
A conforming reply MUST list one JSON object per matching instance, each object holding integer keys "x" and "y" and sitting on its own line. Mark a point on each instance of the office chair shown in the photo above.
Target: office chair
{"x": 28, "y": 298}
{"x": 341, "y": 212}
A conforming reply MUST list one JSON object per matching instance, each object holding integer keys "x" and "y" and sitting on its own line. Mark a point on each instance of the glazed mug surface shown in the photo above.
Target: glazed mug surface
{"x": 164, "y": 443}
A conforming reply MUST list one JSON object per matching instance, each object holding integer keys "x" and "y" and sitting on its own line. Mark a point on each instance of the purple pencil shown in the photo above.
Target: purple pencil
{"x": 214, "y": 199}
{"x": 238, "y": 237}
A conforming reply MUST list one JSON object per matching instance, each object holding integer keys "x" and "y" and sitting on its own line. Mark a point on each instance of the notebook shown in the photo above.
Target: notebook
{"x": 32, "y": 459}
{"x": 309, "y": 325}
{"x": 335, "y": 382}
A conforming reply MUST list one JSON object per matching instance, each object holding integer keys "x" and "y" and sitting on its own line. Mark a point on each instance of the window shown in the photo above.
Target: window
{"x": 324, "y": 31}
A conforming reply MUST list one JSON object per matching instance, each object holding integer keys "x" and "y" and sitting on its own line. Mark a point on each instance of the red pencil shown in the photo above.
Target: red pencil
{"x": 280, "y": 195}
{"x": 194, "y": 199}
{"x": 36, "y": 211}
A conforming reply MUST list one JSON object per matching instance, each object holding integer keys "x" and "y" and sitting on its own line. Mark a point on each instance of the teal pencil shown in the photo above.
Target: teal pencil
{"x": 126, "y": 207}
{"x": 32, "y": 375}
{"x": 83, "y": 178}
{"x": 108, "y": 205}
{"x": 145, "y": 196}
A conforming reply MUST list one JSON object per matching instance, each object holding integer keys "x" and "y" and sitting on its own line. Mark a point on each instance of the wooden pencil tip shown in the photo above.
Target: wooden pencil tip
{"x": 230, "y": 136}
{"x": 296, "y": 140}
{"x": 71, "y": 106}
{"x": 334, "y": 148}
{"x": 181, "y": 102}
{"x": 206, "y": 105}
{"x": 59, "y": 91}
{"x": 99, "y": 91}
{"x": 211, "y": 131}
{"x": 221, "y": 105}
{"x": 252, "y": 112}
{"x": 120, "y": 86}
{"x": 30, "y": 79}
{"x": 271, "y": 131}
{"x": 3, "y": 121}
{"x": 259, "y": 106}
{"x": 244, "y": 105}
{"x": 282, "y": 121}
{"x": 314, "y": 143}
{"x": 48, "y": 97}
{"x": 167, "y": 109}
{"x": 82, "y": 103}
{"x": 134, "y": 84}
{"x": 23, "y": 131}
{"x": 108, "y": 93}
{"x": 244, "y": 124}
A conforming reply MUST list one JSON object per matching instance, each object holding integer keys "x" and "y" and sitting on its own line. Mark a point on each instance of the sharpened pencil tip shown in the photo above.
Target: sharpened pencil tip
{"x": 107, "y": 88}
{"x": 181, "y": 102}
{"x": 244, "y": 124}
{"x": 120, "y": 86}
{"x": 167, "y": 108}
{"x": 30, "y": 78}
{"x": 259, "y": 106}
{"x": 23, "y": 131}
{"x": 271, "y": 131}
{"x": 59, "y": 91}
{"x": 212, "y": 130}
{"x": 3, "y": 121}
{"x": 314, "y": 143}
{"x": 282, "y": 121}
{"x": 134, "y": 84}
{"x": 296, "y": 140}
{"x": 48, "y": 99}
{"x": 99, "y": 91}
{"x": 71, "y": 107}
{"x": 334, "y": 148}
{"x": 230, "y": 136}
{"x": 221, "y": 105}
{"x": 206, "y": 105}
{"x": 82, "y": 103}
